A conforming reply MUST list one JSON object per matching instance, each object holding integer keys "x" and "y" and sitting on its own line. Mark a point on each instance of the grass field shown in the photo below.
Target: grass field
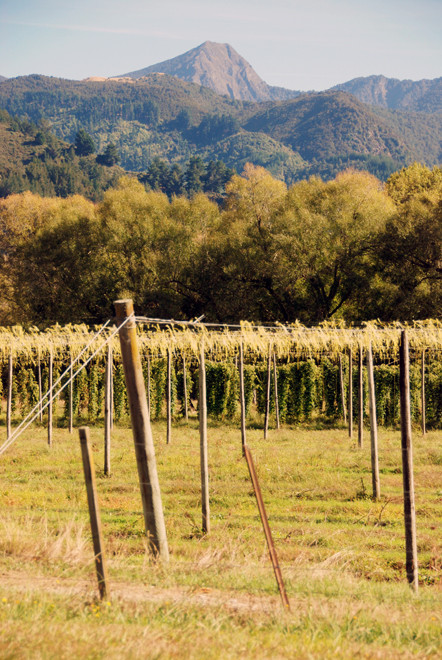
{"x": 342, "y": 555}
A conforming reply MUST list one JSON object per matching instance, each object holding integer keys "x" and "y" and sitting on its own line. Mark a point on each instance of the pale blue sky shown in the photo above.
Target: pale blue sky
{"x": 298, "y": 44}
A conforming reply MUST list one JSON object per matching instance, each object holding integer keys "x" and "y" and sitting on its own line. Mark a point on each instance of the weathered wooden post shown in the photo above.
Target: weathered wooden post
{"x": 186, "y": 408}
{"x": 142, "y": 433}
{"x": 40, "y": 390}
{"x": 94, "y": 511}
{"x": 148, "y": 386}
{"x": 267, "y": 409}
{"x": 275, "y": 382}
{"x": 341, "y": 384}
{"x": 71, "y": 395}
{"x": 361, "y": 399}
{"x": 50, "y": 396}
{"x": 9, "y": 399}
{"x": 350, "y": 393}
{"x": 423, "y": 415}
{"x": 107, "y": 411}
{"x": 111, "y": 388}
{"x": 373, "y": 427}
{"x": 407, "y": 466}
{"x": 242, "y": 397}
{"x": 204, "y": 459}
{"x": 169, "y": 395}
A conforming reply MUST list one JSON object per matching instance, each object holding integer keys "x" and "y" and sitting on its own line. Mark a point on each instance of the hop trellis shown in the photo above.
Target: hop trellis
{"x": 291, "y": 341}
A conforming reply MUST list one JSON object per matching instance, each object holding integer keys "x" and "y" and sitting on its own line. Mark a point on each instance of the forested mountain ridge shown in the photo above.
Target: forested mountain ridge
{"x": 32, "y": 158}
{"x": 409, "y": 95}
{"x": 220, "y": 68}
{"x": 161, "y": 116}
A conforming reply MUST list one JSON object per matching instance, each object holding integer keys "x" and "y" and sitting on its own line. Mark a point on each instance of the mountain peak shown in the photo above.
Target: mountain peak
{"x": 220, "y": 68}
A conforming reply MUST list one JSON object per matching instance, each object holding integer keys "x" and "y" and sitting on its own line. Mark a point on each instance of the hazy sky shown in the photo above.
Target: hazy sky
{"x": 298, "y": 44}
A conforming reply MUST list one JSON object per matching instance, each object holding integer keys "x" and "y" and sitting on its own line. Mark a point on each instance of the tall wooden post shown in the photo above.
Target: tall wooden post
{"x": 361, "y": 399}
{"x": 407, "y": 465}
{"x": 186, "y": 408}
{"x": 275, "y": 382}
{"x": 50, "y": 396}
{"x": 94, "y": 511}
{"x": 148, "y": 386}
{"x": 71, "y": 395}
{"x": 9, "y": 400}
{"x": 107, "y": 411}
{"x": 423, "y": 415}
{"x": 350, "y": 393}
{"x": 204, "y": 460}
{"x": 40, "y": 390}
{"x": 169, "y": 395}
{"x": 111, "y": 389}
{"x": 242, "y": 397}
{"x": 142, "y": 433}
{"x": 373, "y": 427}
{"x": 341, "y": 384}
{"x": 267, "y": 409}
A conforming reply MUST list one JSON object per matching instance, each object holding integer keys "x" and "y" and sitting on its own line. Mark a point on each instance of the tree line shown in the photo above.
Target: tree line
{"x": 349, "y": 249}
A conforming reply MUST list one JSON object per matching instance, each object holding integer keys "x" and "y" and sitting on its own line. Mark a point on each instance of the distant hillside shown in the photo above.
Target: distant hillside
{"x": 2, "y": 78}
{"x": 162, "y": 117}
{"x": 328, "y": 124}
{"x": 220, "y": 68}
{"x": 418, "y": 96}
{"x": 32, "y": 158}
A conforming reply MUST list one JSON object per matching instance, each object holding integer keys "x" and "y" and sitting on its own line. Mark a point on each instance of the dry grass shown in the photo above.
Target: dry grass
{"x": 342, "y": 554}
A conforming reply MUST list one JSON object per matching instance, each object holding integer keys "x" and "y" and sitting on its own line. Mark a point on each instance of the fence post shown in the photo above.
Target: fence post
{"x": 107, "y": 411}
{"x": 50, "y": 380}
{"x": 361, "y": 399}
{"x": 40, "y": 390}
{"x": 186, "y": 408}
{"x": 341, "y": 384}
{"x": 267, "y": 410}
{"x": 423, "y": 416}
{"x": 204, "y": 461}
{"x": 71, "y": 394}
{"x": 94, "y": 511}
{"x": 148, "y": 386}
{"x": 407, "y": 466}
{"x": 373, "y": 427}
{"x": 350, "y": 393}
{"x": 142, "y": 433}
{"x": 169, "y": 396}
{"x": 242, "y": 397}
{"x": 9, "y": 400}
{"x": 275, "y": 381}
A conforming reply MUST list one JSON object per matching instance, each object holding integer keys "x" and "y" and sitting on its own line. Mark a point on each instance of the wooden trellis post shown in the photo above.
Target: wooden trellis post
{"x": 350, "y": 393}
{"x": 148, "y": 386}
{"x": 242, "y": 397}
{"x": 373, "y": 427}
{"x": 411, "y": 564}
{"x": 107, "y": 411}
{"x": 142, "y": 433}
{"x": 94, "y": 512}
{"x": 71, "y": 395}
{"x": 275, "y": 382}
{"x": 9, "y": 400}
{"x": 50, "y": 398}
{"x": 361, "y": 399}
{"x": 40, "y": 390}
{"x": 204, "y": 459}
{"x": 423, "y": 414}
{"x": 186, "y": 408}
{"x": 341, "y": 384}
{"x": 267, "y": 409}
{"x": 169, "y": 396}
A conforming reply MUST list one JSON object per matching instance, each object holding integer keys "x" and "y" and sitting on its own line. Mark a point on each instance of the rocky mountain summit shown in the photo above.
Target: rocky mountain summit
{"x": 220, "y": 68}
